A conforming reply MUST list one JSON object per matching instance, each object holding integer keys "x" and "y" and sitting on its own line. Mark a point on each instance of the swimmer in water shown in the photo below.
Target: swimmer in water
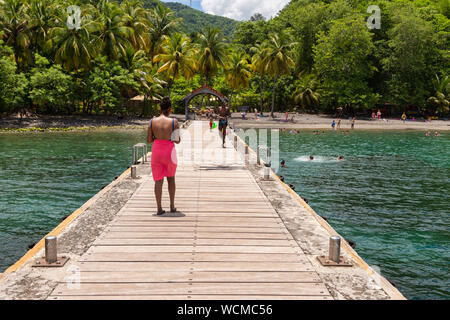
{"x": 427, "y": 134}
{"x": 340, "y": 158}
{"x": 311, "y": 158}
{"x": 282, "y": 178}
{"x": 282, "y": 163}
{"x": 291, "y": 186}
{"x": 436, "y": 134}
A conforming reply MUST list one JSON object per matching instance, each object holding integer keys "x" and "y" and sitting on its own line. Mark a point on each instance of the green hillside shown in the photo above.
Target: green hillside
{"x": 195, "y": 20}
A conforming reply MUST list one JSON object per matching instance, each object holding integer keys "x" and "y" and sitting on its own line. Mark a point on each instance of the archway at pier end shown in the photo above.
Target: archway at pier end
{"x": 204, "y": 90}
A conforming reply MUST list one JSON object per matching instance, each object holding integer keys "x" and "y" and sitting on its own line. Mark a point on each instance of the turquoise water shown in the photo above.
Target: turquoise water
{"x": 389, "y": 195}
{"x": 46, "y": 176}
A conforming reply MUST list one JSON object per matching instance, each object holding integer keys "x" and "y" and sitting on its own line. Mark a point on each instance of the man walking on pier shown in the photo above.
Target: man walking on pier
{"x": 224, "y": 113}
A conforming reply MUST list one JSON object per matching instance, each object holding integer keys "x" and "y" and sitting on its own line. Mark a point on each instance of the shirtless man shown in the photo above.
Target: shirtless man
{"x": 223, "y": 114}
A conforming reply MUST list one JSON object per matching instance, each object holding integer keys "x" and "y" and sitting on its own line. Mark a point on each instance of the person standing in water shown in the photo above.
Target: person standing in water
{"x": 224, "y": 113}
{"x": 163, "y": 132}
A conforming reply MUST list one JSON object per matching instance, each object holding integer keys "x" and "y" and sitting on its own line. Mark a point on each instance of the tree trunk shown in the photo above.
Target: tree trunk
{"x": 260, "y": 94}
{"x": 231, "y": 98}
{"x": 273, "y": 95}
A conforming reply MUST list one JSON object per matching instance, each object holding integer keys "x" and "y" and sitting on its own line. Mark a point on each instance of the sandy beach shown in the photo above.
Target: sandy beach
{"x": 301, "y": 121}
{"x": 310, "y": 121}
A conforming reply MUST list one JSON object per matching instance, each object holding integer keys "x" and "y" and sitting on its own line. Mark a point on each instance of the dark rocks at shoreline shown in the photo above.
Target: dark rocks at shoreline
{"x": 15, "y": 122}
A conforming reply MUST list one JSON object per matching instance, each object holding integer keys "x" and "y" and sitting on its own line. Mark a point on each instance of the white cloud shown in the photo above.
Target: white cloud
{"x": 243, "y": 9}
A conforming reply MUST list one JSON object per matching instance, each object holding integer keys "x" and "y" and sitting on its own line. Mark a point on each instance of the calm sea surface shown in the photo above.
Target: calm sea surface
{"x": 389, "y": 195}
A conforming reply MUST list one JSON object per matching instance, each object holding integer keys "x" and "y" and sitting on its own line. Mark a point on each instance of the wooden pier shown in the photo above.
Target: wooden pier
{"x": 227, "y": 241}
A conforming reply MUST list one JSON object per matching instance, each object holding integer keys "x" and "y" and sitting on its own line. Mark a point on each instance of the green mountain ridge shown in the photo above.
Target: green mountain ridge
{"x": 195, "y": 20}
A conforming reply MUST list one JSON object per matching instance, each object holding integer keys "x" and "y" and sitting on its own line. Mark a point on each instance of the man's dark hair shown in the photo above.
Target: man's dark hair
{"x": 165, "y": 104}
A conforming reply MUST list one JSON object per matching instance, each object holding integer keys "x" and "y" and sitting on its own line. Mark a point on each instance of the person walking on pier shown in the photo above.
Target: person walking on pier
{"x": 163, "y": 132}
{"x": 223, "y": 113}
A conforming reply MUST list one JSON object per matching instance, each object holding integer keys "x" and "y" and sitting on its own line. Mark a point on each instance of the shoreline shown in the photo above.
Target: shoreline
{"x": 323, "y": 122}
{"x": 301, "y": 121}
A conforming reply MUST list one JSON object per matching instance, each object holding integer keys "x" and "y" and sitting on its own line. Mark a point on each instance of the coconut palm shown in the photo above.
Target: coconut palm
{"x": 42, "y": 17}
{"x": 258, "y": 65}
{"x": 135, "y": 19}
{"x": 115, "y": 34}
{"x": 74, "y": 48}
{"x": 177, "y": 58}
{"x": 162, "y": 22}
{"x": 238, "y": 72}
{"x": 278, "y": 59}
{"x": 212, "y": 52}
{"x": 137, "y": 63}
{"x": 15, "y": 26}
{"x": 441, "y": 100}
{"x": 304, "y": 95}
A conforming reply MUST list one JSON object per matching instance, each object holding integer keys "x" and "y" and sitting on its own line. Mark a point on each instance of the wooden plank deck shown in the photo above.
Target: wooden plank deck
{"x": 226, "y": 241}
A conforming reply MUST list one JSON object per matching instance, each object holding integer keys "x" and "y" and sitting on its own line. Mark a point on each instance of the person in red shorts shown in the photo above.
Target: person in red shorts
{"x": 163, "y": 132}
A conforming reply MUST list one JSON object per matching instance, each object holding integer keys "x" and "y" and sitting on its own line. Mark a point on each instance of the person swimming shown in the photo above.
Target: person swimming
{"x": 163, "y": 132}
{"x": 311, "y": 158}
{"x": 340, "y": 158}
{"x": 283, "y": 163}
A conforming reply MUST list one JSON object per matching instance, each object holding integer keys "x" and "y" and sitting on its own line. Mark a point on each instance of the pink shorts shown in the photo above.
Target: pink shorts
{"x": 164, "y": 159}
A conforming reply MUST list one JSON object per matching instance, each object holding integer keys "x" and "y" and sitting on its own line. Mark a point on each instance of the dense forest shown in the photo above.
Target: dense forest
{"x": 315, "y": 56}
{"x": 195, "y": 20}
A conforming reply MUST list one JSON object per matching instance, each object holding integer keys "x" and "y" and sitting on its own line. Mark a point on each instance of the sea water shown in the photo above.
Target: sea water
{"x": 389, "y": 194}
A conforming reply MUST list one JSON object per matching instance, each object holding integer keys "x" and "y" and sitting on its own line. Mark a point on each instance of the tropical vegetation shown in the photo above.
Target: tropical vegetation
{"x": 94, "y": 56}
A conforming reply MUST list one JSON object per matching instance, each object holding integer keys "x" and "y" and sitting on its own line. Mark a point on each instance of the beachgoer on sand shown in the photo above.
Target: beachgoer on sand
{"x": 403, "y": 117}
{"x": 333, "y": 124}
{"x": 379, "y": 114}
{"x": 338, "y": 124}
{"x": 164, "y": 132}
{"x": 353, "y": 123}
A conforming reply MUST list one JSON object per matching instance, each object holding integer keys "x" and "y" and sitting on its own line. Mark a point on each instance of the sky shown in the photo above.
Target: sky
{"x": 237, "y": 9}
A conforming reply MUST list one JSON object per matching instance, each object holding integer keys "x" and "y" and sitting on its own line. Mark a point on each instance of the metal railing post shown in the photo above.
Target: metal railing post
{"x": 51, "y": 250}
{"x": 335, "y": 249}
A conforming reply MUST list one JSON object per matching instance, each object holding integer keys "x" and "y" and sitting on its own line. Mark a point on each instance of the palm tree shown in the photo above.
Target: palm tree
{"x": 42, "y": 17}
{"x": 212, "y": 52}
{"x": 74, "y": 48}
{"x": 258, "y": 65}
{"x": 14, "y": 24}
{"x": 441, "y": 100}
{"x": 162, "y": 22}
{"x": 278, "y": 59}
{"x": 304, "y": 94}
{"x": 135, "y": 19}
{"x": 115, "y": 34}
{"x": 238, "y": 72}
{"x": 137, "y": 63}
{"x": 177, "y": 58}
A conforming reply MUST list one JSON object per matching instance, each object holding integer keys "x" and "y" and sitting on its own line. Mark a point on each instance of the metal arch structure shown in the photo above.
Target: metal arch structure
{"x": 203, "y": 90}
